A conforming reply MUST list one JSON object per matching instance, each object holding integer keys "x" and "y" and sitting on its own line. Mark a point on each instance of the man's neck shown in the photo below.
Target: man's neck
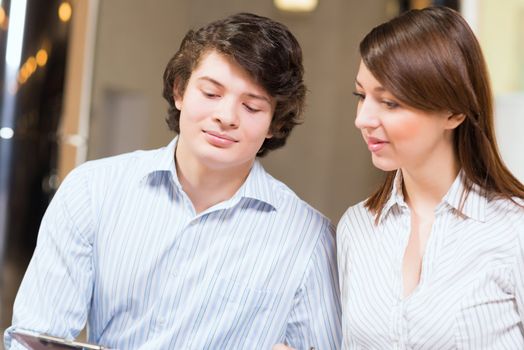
{"x": 206, "y": 187}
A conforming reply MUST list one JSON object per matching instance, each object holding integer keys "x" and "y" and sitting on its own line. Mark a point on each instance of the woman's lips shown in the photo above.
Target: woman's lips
{"x": 375, "y": 145}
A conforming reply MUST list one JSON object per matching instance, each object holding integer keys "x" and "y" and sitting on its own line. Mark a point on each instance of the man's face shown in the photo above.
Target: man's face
{"x": 224, "y": 115}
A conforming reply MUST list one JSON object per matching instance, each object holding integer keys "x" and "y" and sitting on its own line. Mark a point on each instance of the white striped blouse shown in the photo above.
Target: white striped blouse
{"x": 121, "y": 247}
{"x": 471, "y": 290}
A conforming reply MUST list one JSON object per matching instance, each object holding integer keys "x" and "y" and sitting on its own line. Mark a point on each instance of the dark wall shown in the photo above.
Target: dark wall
{"x": 28, "y": 160}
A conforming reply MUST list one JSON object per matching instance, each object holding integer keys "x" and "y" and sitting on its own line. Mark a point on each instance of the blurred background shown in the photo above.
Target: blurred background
{"x": 82, "y": 79}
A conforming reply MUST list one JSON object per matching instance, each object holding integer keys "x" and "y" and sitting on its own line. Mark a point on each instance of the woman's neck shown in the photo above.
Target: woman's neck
{"x": 425, "y": 186}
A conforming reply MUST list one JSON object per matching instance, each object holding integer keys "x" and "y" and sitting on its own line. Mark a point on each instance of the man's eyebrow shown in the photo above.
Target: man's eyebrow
{"x": 211, "y": 80}
{"x": 259, "y": 97}
{"x": 252, "y": 95}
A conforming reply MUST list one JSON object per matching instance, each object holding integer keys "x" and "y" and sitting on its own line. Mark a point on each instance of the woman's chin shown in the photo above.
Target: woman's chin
{"x": 384, "y": 164}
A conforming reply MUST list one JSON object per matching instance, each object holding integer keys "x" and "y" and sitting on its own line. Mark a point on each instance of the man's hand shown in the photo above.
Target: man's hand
{"x": 282, "y": 347}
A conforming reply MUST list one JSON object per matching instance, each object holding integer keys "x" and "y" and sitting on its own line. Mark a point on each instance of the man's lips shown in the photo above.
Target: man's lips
{"x": 219, "y": 139}
{"x": 375, "y": 144}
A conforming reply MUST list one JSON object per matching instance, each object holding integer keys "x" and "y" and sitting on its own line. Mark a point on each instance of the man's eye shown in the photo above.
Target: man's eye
{"x": 209, "y": 94}
{"x": 251, "y": 109}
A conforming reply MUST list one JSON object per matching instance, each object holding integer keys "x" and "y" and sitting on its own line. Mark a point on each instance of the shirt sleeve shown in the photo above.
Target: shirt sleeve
{"x": 55, "y": 293}
{"x": 343, "y": 265}
{"x": 315, "y": 318}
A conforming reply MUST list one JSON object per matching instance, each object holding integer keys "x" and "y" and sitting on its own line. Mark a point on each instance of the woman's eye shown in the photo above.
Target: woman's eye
{"x": 359, "y": 95}
{"x": 390, "y": 104}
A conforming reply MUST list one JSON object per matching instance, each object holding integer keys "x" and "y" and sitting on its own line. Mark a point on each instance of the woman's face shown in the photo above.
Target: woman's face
{"x": 399, "y": 136}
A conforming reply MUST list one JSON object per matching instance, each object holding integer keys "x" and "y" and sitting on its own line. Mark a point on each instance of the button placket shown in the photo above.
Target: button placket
{"x": 405, "y": 231}
{"x": 401, "y": 321}
{"x": 399, "y": 329}
{"x": 432, "y": 248}
{"x": 174, "y": 274}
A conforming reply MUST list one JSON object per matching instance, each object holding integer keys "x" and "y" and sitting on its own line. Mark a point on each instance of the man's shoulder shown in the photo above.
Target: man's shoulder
{"x": 282, "y": 190}
{"x": 126, "y": 164}
{"x": 290, "y": 199}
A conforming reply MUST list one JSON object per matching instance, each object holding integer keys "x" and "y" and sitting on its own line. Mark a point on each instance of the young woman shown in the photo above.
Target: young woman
{"x": 435, "y": 258}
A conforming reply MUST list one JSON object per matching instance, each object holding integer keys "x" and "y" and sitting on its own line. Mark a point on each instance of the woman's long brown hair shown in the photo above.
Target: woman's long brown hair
{"x": 431, "y": 60}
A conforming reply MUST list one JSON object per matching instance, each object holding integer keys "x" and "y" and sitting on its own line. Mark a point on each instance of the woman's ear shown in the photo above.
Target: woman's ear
{"x": 454, "y": 120}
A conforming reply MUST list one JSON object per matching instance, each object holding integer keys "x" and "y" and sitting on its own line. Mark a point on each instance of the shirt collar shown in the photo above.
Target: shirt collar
{"x": 259, "y": 184}
{"x": 163, "y": 160}
{"x": 472, "y": 204}
{"x": 396, "y": 197}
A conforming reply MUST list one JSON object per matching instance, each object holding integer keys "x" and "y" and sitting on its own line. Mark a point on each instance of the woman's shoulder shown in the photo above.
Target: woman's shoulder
{"x": 359, "y": 207}
{"x": 506, "y": 209}
{"x": 514, "y": 211}
{"x": 356, "y": 217}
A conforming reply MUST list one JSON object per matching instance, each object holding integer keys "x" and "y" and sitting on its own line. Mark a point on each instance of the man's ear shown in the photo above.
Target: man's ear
{"x": 274, "y": 129}
{"x": 177, "y": 96}
{"x": 454, "y": 120}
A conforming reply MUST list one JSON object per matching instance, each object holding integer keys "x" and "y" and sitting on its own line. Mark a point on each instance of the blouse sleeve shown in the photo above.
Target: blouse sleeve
{"x": 519, "y": 270}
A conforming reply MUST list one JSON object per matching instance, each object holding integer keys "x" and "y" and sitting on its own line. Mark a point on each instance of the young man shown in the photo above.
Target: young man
{"x": 194, "y": 246}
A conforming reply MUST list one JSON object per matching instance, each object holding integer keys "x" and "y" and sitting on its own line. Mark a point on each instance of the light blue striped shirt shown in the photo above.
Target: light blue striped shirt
{"x": 121, "y": 247}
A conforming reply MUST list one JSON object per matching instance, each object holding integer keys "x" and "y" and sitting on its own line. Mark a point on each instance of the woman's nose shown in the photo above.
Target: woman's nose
{"x": 367, "y": 115}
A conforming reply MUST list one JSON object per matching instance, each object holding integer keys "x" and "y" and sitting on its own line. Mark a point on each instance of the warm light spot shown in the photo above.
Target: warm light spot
{"x": 296, "y": 5}
{"x": 2, "y": 16}
{"x": 24, "y": 72}
{"x": 21, "y": 79}
{"x": 41, "y": 57}
{"x": 31, "y": 64}
{"x": 6, "y": 133}
{"x": 420, "y": 4}
{"x": 64, "y": 11}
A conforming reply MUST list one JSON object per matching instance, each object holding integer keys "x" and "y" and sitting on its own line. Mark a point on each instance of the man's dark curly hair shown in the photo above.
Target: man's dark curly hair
{"x": 264, "y": 48}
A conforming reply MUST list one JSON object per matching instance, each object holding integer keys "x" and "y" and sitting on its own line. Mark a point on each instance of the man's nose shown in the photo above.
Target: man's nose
{"x": 227, "y": 113}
